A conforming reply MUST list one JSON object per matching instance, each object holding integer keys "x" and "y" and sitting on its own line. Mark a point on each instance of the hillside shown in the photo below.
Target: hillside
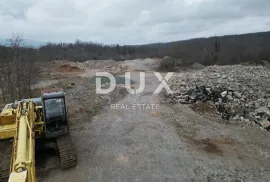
{"x": 229, "y": 49}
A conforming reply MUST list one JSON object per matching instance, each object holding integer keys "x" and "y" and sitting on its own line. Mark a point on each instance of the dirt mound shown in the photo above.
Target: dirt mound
{"x": 67, "y": 68}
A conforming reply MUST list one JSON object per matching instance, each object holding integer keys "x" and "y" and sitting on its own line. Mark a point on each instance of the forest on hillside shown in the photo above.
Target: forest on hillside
{"x": 231, "y": 49}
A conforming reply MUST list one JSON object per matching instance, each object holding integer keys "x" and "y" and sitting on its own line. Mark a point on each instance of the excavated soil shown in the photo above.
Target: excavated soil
{"x": 66, "y": 68}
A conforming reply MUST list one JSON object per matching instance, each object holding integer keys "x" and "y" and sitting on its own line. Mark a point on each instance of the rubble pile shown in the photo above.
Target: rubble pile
{"x": 240, "y": 93}
{"x": 105, "y": 65}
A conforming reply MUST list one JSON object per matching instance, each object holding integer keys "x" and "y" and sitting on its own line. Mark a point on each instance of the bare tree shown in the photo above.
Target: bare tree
{"x": 2, "y": 86}
{"x": 30, "y": 70}
{"x": 18, "y": 69}
{"x": 3, "y": 57}
{"x": 16, "y": 43}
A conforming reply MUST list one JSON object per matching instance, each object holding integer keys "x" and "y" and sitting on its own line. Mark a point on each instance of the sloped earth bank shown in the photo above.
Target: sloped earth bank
{"x": 178, "y": 145}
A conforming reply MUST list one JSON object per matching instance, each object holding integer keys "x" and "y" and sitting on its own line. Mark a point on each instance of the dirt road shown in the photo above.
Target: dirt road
{"x": 179, "y": 145}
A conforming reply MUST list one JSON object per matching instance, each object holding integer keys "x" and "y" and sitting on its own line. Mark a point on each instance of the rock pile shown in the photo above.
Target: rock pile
{"x": 105, "y": 65}
{"x": 240, "y": 93}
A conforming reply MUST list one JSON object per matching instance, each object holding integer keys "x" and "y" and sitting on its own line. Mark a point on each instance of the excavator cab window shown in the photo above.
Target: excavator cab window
{"x": 55, "y": 117}
{"x": 54, "y": 108}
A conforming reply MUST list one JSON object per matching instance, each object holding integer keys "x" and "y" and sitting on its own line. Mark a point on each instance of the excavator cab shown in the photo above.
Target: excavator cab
{"x": 54, "y": 113}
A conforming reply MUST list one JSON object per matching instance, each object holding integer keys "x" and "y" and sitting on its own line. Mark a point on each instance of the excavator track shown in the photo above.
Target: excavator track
{"x": 5, "y": 159}
{"x": 68, "y": 155}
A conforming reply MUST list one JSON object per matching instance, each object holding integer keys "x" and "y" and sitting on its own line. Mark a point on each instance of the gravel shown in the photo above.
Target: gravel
{"x": 179, "y": 145}
{"x": 239, "y": 92}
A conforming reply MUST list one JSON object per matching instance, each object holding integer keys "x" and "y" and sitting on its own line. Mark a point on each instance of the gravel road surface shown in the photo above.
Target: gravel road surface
{"x": 171, "y": 143}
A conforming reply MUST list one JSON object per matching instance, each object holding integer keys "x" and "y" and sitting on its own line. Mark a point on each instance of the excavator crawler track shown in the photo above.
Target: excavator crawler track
{"x": 68, "y": 156}
{"x": 5, "y": 159}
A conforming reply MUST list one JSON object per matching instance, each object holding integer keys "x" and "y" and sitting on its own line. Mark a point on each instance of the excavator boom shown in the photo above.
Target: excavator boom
{"x": 23, "y": 159}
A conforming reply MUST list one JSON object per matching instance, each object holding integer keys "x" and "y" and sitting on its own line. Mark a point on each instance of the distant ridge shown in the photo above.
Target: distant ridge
{"x": 27, "y": 42}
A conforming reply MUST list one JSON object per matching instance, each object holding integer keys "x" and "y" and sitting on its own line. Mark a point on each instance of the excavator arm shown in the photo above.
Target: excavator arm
{"x": 23, "y": 155}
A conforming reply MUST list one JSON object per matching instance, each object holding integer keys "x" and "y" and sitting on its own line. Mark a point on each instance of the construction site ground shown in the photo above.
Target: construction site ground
{"x": 169, "y": 143}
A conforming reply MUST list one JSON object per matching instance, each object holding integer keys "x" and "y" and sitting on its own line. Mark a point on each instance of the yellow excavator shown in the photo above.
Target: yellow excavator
{"x": 30, "y": 124}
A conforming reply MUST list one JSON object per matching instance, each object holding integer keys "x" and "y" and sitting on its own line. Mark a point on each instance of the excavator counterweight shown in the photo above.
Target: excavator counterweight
{"x": 7, "y": 122}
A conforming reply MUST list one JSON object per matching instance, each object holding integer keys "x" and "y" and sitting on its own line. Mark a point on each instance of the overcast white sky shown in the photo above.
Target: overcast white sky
{"x": 131, "y": 21}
